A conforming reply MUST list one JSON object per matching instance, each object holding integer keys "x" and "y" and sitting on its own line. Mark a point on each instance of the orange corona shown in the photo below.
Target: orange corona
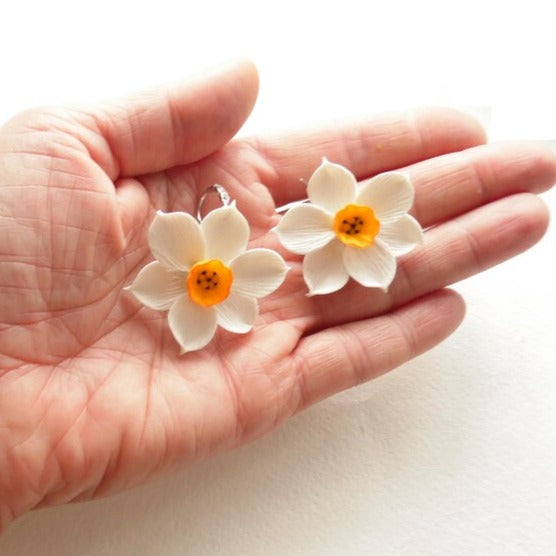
{"x": 209, "y": 282}
{"x": 356, "y": 225}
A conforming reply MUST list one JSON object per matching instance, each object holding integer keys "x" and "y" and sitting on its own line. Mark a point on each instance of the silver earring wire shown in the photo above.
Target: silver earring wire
{"x": 226, "y": 200}
{"x": 222, "y": 193}
{"x": 288, "y": 206}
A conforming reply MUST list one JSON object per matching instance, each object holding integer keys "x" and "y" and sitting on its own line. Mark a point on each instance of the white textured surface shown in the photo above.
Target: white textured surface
{"x": 452, "y": 454}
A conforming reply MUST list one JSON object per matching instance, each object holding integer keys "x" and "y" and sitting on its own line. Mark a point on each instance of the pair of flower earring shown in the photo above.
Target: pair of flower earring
{"x": 204, "y": 276}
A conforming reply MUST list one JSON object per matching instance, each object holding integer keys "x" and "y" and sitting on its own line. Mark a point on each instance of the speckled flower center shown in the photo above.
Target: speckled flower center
{"x": 356, "y": 225}
{"x": 209, "y": 282}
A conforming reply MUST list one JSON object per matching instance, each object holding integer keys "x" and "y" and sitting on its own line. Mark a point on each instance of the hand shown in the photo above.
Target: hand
{"x": 94, "y": 396}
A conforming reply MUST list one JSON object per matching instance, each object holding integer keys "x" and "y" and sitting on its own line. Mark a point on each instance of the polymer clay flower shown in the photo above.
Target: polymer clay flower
{"x": 350, "y": 230}
{"x": 204, "y": 275}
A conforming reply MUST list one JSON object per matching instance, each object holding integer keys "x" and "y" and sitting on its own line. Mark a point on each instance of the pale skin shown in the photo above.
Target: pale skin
{"x": 94, "y": 395}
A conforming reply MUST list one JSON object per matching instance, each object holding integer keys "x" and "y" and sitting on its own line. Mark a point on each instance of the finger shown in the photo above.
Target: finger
{"x": 471, "y": 243}
{"x": 455, "y": 183}
{"x": 177, "y": 124}
{"x": 365, "y": 147}
{"x": 344, "y": 356}
{"x": 453, "y": 251}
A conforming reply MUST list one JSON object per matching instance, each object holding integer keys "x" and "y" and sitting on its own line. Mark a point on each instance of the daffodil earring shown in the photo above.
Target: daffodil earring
{"x": 349, "y": 229}
{"x": 203, "y": 274}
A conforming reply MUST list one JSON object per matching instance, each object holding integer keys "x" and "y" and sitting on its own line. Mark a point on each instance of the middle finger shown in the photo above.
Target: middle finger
{"x": 450, "y": 185}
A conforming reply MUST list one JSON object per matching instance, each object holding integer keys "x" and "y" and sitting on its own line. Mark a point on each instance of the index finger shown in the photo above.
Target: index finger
{"x": 366, "y": 147}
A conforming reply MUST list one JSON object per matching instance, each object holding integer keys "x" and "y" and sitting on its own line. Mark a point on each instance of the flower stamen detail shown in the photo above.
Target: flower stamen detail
{"x": 209, "y": 282}
{"x": 356, "y": 225}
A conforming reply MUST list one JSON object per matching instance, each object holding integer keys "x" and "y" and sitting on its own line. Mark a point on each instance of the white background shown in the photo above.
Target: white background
{"x": 454, "y": 453}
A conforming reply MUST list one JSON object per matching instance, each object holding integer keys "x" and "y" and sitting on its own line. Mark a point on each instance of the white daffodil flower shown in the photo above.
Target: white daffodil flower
{"x": 204, "y": 275}
{"x": 349, "y": 230}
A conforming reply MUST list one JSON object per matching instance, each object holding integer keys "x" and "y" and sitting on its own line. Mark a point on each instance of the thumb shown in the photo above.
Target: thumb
{"x": 176, "y": 124}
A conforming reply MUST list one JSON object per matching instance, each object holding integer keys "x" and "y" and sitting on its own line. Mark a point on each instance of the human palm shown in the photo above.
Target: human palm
{"x": 94, "y": 395}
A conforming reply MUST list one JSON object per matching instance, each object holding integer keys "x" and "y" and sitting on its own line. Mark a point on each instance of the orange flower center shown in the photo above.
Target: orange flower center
{"x": 356, "y": 225}
{"x": 209, "y": 282}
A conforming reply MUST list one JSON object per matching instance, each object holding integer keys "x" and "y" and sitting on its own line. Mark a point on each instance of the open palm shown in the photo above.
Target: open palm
{"x": 94, "y": 396}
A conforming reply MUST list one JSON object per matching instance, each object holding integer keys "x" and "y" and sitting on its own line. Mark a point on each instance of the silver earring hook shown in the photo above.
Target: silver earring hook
{"x": 288, "y": 206}
{"x": 222, "y": 193}
{"x": 226, "y": 200}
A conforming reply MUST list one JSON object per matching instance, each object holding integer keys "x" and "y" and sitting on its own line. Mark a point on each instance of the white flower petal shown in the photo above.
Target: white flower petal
{"x": 323, "y": 269}
{"x": 305, "y": 228}
{"x": 193, "y": 326}
{"x": 257, "y": 272}
{"x": 176, "y": 240}
{"x": 401, "y": 236}
{"x": 237, "y": 313}
{"x": 226, "y": 233}
{"x": 158, "y": 287}
{"x": 332, "y": 187}
{"x": 390, "y": 195}
{"x": 373, "y": 267}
